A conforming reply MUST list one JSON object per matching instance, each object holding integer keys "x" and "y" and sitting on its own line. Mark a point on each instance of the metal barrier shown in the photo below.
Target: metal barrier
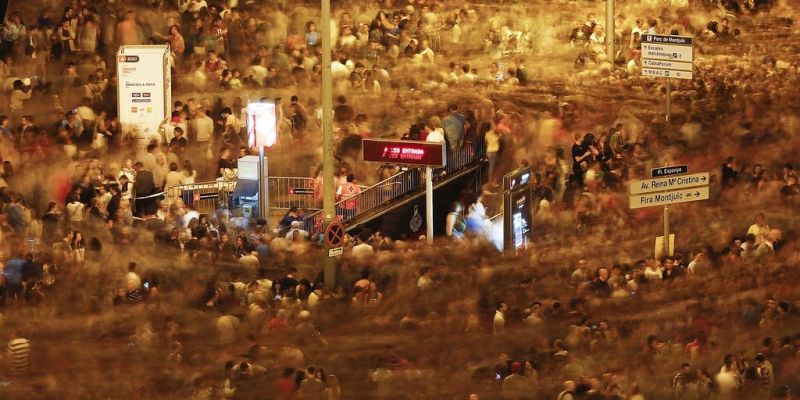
{"x": 394, "y": 187}
{"x": 288, "y": 192}
{"x": 203, "y": 197}
{"x": 285, "y": 192}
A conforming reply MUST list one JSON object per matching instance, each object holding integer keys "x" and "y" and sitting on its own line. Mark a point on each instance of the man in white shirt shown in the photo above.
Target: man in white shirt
{"x": 759, "y": 229}
{"x": 696, "y": 265}
{"x": 499, "y": 324}
{"x": 341, "y": 69}
{"x": 767, "y": 248}
{"x": 202, "y": 126}
{"x": 296, "y": 226}
{"x": 639, "y": 28}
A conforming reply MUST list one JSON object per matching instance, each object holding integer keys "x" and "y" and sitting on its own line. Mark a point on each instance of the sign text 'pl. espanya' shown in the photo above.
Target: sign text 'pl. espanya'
{"x": 666, "y": 171}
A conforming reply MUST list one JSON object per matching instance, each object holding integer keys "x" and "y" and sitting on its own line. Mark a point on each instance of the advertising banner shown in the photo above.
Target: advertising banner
{"x": 144, "y": 90}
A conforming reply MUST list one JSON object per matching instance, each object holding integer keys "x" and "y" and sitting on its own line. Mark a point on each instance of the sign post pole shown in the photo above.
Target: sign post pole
{"x": 429, "y": 204}
{"x": 328, "y": 201}
{"x": 610, "y": 31}
{"x": 669, "y": 100}
{"x": 666, "y": 206}
{"x": 263, "y": 188}
{"x": 666, "y": 231}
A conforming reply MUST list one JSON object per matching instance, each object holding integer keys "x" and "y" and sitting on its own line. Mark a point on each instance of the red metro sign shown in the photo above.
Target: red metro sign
{"x": 404, "y": 152}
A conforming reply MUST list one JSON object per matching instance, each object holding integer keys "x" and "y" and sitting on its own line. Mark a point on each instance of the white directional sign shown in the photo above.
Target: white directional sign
{"x": 661, "y": 64}
{"x": 669, "y": 183}
{"x": 667, "y": 56}
{"x": 667, "y": 198}
{"x": 666, "y": 73}
{"x": 667, "y": 52}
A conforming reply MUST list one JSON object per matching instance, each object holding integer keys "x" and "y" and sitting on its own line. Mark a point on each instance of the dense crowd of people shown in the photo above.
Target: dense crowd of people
{"x": 111, "y": 277}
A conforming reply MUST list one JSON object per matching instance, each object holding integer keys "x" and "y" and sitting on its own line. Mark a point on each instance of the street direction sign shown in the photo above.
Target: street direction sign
{"x": 669, "y": 183}
{"x": 666, "y": 73}
{"x": 667, "y": 39}
{"x": 672, "y": 65}
{"x": 666, "y": 171}
{"x": 667, "y": 198}
{"x": 668, "y": 52}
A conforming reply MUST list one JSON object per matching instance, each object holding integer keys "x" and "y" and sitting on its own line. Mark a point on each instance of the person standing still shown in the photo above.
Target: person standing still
{"x": 349, "y": 193}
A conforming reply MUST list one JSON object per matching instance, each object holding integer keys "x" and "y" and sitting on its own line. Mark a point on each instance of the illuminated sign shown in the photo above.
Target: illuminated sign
{"x": 518, "y": 178}
{"x": 517, "y": 218}
{"x": 406, "y": 152}
{"x": 262, "y": 125}
{"x": 520, "y": 219}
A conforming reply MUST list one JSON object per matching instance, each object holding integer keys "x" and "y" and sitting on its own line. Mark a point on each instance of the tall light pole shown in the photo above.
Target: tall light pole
{"x": 610, "y": 31}
{"x": 328, "y": 191}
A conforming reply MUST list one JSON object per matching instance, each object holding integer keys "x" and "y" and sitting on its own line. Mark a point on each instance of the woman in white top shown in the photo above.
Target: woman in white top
{"x": 189, "y": 174}
{"x": 75, "y": 212}
{"x": 436, "y": 134}
{"x": 128, "y": 171}
{"x": 78, "y": 251}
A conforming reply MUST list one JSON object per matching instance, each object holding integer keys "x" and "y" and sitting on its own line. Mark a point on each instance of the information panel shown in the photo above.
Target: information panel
{"x": 144, "y": 90}
{"x": 517, "y": 218}
{"x": 404, "y": 152}
{"x": 667, "y": 56}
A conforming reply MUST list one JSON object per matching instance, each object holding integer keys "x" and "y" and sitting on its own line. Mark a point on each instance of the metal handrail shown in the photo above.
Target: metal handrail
{"x": 393, "y": 187}
{"x": 370, "y": 198}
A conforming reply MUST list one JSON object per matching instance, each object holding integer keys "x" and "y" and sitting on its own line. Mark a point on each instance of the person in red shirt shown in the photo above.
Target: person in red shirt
{"x": 697, "y": 346}
{"x": 214, "y": 65}
{"x": 286, "y": 384}
{"x": 279, "y": 323}
{"x": 349, "y": 193}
